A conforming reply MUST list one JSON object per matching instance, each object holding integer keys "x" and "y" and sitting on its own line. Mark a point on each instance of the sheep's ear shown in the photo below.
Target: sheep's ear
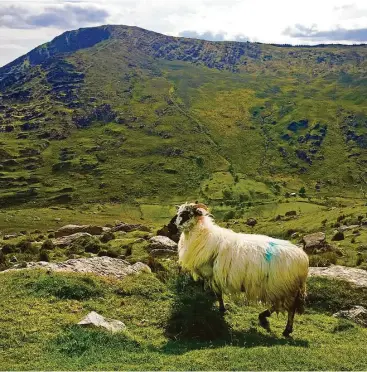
{"x": 201, "y": 206}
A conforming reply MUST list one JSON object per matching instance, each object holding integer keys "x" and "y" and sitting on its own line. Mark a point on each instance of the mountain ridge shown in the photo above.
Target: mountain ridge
{"x": 125, "y": 114}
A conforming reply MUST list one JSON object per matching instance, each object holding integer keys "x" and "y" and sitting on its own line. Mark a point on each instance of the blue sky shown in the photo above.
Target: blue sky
{"x": 29, "y": 23}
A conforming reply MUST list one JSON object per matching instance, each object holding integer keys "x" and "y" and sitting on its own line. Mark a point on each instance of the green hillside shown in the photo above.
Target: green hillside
{"x": 121, "y": 114}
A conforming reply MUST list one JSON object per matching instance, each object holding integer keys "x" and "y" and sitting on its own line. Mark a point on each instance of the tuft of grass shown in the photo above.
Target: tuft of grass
{"x": 74, "y": 341}
{"x": 66, "y": 287}
{"x": 331, "y": 295}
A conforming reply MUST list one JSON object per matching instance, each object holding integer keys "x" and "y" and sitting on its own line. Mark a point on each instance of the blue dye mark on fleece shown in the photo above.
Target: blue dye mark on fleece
{"x": 269, "y": 253}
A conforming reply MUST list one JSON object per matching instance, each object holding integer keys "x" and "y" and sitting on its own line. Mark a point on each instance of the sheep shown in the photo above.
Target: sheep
{"x": 264, "y": 269}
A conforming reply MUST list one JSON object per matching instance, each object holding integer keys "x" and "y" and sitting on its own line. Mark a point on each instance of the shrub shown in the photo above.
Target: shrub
{"x": 43, "y": 256}
{"x": 85, "y": 244}
{"x": 47, "y": 244}
{"x": 25, "y": 246}
{"x": 9, "y": 248}
{"x": 323, "y": 259}
{"x": 107, "y": 236}
{"x": 228, "y": 216}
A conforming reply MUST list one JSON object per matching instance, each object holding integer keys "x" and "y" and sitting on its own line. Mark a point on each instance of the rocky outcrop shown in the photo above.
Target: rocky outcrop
{"x": 357, "y": 314}
{"x": 72, "y": 229}
{"x": 315, "y": 242}
{"x": 129, "y": 227}
{"x": 104, "y": 266}
{"x": 64, "y": 241}
{"x": 162, "y": 243}
{"x": 94, "y": 319}
{"x": 357, "y": 277}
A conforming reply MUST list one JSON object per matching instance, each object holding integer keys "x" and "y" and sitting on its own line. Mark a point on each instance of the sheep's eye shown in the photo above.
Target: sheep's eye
{"x": 185, "y": 216}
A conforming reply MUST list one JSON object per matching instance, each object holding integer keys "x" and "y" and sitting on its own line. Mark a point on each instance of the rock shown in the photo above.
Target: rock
{"x": 72, "y": 229}
{"x": 104, "y": 266}
{"x": 10, "y": 236}
{"x": 13, "y": 259}
{"x": 162, "y": 243}
{"x": 293, "y": 194}
{"x": 251, "y": 222}
{"x": 338, "y": 236}
{"x": 357, "y": 277}
{"x": 290, "y": 213}
{"x": 64, "y": 241}
{"x": 343, "y": 228}
{"x": 97, "y": 320}
{"x": 314, "y": 241}
{"x": 107, "y": 236}
{"x": 162, "y": 252}
{"x": 129, "y": 227}
{"x": 357, "y": 314}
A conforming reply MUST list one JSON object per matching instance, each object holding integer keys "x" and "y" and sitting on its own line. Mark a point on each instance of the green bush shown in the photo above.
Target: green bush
{"x": 85, "y": 244}
{"x": 47, "y": 244}
{"x": 43, "y": 256}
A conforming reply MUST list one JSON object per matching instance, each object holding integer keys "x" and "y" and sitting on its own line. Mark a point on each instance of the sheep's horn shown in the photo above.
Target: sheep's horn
{"x": 200, "y": 205}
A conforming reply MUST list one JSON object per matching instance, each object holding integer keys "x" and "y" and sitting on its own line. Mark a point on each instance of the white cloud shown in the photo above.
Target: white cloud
{"x": 261, "y": 20}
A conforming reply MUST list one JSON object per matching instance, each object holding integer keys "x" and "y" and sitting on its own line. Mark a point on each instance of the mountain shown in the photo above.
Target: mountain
{"x": 122, "y": 114}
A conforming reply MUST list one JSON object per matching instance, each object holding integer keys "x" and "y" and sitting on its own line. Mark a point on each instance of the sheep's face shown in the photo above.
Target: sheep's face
{"x": 187, "y": 214}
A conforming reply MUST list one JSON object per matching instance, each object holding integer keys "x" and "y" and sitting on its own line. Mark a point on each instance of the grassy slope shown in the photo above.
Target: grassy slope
{"x": 38, "y": 312}
{"x": 182, "y": 123}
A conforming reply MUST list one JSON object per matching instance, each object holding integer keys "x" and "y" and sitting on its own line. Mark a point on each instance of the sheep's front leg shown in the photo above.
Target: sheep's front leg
{"x": 222, "y": 308}
{"x": 263, "y": 319}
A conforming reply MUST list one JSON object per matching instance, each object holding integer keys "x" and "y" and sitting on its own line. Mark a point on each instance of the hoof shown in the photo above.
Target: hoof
{"x": 222, "y": 310}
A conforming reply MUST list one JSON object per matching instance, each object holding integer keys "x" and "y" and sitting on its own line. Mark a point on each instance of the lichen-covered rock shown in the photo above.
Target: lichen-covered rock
{"x": 129, "y": 227}
{"x": 72, "y": 229}
{"x": 104, "y": 266}
{"x": 162, "y": 243}
{"x": 162, "y": 252}
{"x": 94, "y": 319}
{"x": 357, "y": 277}
{"x": 357, "y": 314}
{"x": 64, "y": 241}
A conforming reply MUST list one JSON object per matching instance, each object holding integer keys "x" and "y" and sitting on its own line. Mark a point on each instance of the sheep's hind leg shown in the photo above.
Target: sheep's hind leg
{"x": 289, "y": 327}
{"x": 263, "y": 319}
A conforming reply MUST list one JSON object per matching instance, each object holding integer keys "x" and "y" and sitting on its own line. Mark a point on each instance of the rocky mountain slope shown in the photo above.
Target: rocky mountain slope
{"x": 122, "y": 114}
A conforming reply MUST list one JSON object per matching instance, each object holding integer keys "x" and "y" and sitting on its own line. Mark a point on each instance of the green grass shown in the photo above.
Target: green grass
{"x": 170, "y": 325}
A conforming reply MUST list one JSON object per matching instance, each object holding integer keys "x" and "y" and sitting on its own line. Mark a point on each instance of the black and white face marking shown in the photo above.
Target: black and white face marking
{"x": 185, "y": 216}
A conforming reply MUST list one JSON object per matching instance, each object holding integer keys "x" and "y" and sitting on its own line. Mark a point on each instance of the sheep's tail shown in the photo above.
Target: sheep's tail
{"x": 300, "y": 300}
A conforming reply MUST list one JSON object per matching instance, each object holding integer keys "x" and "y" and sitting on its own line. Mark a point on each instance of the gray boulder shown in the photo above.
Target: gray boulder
{"x": 10, "y": 236}
{"x": 129, "y": 227}
{"x": 104, "y": 266}
{"x": 315, "y": 241}
{"x": 94, "y": 319}
{"x": 72, "y": 229}
{"x": 357, "y": 314}
{"x": 162, "y": 252}
{"x": 162, "y": 243}
{"x": 64, "y": 241}
{"x": 357, "y": 277}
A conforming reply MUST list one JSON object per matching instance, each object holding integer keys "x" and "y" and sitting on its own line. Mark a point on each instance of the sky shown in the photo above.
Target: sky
{"x": 25, "y": 24}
